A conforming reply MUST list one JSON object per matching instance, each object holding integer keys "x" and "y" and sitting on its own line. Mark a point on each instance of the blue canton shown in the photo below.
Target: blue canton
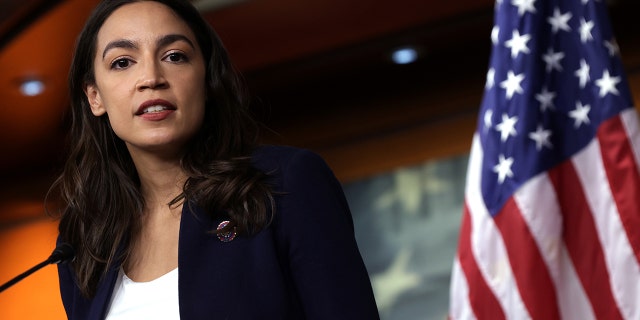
{"x": 555, "y": 75}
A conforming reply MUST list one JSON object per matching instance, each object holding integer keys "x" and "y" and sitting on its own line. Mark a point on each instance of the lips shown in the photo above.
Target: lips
{"x": 154, "y": 106}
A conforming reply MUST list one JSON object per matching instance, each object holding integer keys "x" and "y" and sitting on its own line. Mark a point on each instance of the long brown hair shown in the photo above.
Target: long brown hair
{"x": 99, "y": 185}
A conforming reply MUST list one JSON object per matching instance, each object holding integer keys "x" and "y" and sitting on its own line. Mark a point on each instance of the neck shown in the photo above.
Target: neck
{"x": 161, "y": 180}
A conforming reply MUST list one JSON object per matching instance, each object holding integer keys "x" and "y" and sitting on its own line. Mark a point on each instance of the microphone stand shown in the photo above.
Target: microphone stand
{"x": 62, "y": 253}
{"x": 24, "y": 275}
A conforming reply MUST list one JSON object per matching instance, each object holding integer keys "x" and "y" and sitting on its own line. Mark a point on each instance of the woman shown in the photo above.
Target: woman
{"x": 172, "y": 209}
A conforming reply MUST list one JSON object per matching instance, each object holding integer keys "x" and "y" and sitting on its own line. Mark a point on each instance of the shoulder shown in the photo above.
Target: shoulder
{"x": 303, "y": 184}
{"x": 280, "y": 154}
{"x": 282, "y": 160}
{"x": 301, "y": 180}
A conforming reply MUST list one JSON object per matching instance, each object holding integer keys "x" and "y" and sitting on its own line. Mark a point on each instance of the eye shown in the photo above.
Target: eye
{"x": 176, "y": 57}
{"x": 120, "y": 64}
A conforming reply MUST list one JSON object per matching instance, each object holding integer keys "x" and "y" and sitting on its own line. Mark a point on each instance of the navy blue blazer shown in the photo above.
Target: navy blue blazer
{"x": 305, "y": 265}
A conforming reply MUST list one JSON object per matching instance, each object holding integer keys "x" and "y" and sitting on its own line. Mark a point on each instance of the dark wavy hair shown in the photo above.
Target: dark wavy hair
{"x": 99, "y": 187}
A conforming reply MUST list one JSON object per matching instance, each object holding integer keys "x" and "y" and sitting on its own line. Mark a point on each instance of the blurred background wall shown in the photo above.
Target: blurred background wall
{"x": 322, "y": 78}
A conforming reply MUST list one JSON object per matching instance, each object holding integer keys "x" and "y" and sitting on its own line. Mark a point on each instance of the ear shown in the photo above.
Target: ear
{"x": 95, "y": 101}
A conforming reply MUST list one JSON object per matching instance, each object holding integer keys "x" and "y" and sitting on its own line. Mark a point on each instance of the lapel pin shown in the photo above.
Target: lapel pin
{"x": 225, "y": 236}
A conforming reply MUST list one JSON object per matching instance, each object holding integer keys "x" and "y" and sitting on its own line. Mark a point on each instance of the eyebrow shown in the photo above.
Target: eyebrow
{"x": 127, "y": 44}
{"x": 171, "y": 38}
{"x": 161, "y": 42}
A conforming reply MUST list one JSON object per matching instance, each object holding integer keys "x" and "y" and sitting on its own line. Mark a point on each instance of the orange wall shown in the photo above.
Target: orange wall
{"x": 37, "y": 296}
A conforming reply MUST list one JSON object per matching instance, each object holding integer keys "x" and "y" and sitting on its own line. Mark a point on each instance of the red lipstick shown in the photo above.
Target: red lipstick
{"x": 155, "y": 110}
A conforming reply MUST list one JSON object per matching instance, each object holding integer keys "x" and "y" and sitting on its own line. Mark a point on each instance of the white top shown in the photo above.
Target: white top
{"x": 156, "y": 299}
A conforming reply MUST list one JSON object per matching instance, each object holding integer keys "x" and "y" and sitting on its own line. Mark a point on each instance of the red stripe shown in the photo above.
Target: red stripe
{"x": 481, "y": 298}
{"x": 581, "y": 239}
{"x": 529, "y": 269}
{"x": 624, "y": 178}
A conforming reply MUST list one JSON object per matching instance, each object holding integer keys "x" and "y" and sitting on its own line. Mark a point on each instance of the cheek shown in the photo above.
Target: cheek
{"x": 113, "y": 93}
{"x": 118, "y": 125}
{"x": 198, "y": 113}
{"x": 198, "y": 97}
{"x": 117, "y": 113}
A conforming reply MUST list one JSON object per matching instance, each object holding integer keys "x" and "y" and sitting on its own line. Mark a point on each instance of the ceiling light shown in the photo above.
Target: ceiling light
{"x": 404, "y": 55}
{"x": 32, "y": 87}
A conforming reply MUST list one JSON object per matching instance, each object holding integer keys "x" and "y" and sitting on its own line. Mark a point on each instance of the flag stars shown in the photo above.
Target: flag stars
{"x": 585, "y": 30}
{"x": 518, "y": 43}
{"x": 488, "y": 119}
{"x": 552, "y": 59}
{"x": 559, "y": 21}
{"x": 503, "y": 168}
{"x": 524, "y": 6}
{"x": 608, "y": 84}
{"x": 613, "y": 47}
{"x": 541, "y": 137}
{"x": 507, "y": 127}
{"x": 583, "y": 73}
{"x": 580, "y": 114}
{"x": 512, "y": 84}
{"x": 491, "y": 75}
{"x": 495, "y": 35}
{"x": 546, "y": 99}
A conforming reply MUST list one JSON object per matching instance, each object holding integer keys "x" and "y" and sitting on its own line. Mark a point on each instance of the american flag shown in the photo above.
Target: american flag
{"x": 551, "y": 221}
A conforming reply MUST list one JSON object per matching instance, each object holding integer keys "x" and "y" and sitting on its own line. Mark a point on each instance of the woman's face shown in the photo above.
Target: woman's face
{"x": 149, "y": 78}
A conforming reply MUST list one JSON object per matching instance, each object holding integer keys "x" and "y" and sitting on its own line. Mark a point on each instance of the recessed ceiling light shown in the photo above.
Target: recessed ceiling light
{"x": 404, "y": 55}
{"x": 32, "y": 87}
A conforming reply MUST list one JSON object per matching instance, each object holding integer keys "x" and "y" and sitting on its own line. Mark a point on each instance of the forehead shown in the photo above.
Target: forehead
{"x": 140, "y": 21}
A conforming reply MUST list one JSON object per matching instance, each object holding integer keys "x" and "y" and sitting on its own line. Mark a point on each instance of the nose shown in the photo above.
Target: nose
{"x": 151, "y": 77}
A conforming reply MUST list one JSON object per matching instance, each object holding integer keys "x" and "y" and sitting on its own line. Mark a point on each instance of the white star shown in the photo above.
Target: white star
{"x": 503, "y": 168}
{"x": 608, "y": 84}
{"x": 488, "y": 122}
{"x": 583, "y": 73}
{"x": 553, "y": 60}
{"x": 613, "y": 47}
{"x": 587, "y": 1}
{"x": 491, "y": 74}
{"x": 518, "y": 43}
{"x": 512, "y": 84}
{"x": 546, "y": 99}
{"x": 580, "y": 114}
{"x": 495, "y": 33}
{"x": 585, "y": 30}
{"x": 507, "y": 127}
{"x": 541, "y": 137}
{"x": 524, "y": 6}
{"x": 559, "y": 21}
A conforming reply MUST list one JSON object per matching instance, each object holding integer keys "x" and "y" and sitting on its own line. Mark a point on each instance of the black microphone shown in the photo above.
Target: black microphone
{"x": 62, "y": 253}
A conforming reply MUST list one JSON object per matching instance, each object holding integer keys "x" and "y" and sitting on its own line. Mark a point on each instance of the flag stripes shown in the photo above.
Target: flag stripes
{"x": 528, "y": 266}
{"x": 623, "y": 177}
{"x": 581, "y": 238}
{"x": 484, "y": 300}
{"x": 620, "y": 260}
{"x": 578, "y": 260}
{"x": 551, "y": 223}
